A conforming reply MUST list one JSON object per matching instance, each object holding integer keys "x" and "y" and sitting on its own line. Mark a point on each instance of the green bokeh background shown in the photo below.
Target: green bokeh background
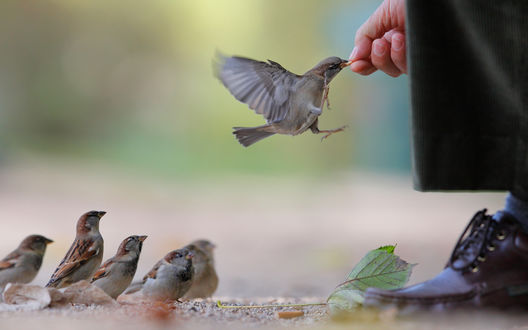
{"x": 130, "y": 84}
{"x": 112, "y": 105}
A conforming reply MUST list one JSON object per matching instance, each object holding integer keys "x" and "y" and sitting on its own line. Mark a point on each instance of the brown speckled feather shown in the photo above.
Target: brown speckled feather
{"x": 77, "y": 255}
{"x": 154, "y": 271}
{"x": 10, "y": 260}
{"x": 103, "y": 271}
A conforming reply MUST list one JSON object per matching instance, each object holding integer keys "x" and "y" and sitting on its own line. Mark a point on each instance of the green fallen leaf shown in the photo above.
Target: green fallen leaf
{"x": 389, "y": 248}
{"x": 344, "y": 300}
{"x": 380, "y": 268}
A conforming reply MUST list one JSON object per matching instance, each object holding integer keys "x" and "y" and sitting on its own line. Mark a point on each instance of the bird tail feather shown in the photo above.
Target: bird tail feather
{"x": 52, "y": 283}
{"x": 134, "y": 287}
{"x": 246, "y": 136}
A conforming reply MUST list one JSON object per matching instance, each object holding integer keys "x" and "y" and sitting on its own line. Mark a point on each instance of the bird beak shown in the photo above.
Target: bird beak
{"x": 142, "y": 238}
{"x": 345, "y": 64}
{"x": 189, "y": 256}
{"x": 100, "y": 214}
{"x": 48, "y": 241}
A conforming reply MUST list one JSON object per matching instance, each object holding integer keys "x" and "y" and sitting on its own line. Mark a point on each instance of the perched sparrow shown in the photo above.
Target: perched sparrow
{"x": 85, "y": 254}
{"x": 290, "y": 103}
{"x": 170, "y": 278}
{"x": 23, "y": 264}
{"x": 115, "y": 275}
{"x": 205, "y": 279}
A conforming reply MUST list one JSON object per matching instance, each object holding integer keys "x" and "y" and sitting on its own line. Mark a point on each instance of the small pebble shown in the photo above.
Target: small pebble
{"x": 290, "y": 314}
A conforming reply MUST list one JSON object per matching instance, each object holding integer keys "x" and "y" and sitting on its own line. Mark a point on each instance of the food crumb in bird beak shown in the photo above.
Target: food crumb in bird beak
{"x": 345, "y": 64}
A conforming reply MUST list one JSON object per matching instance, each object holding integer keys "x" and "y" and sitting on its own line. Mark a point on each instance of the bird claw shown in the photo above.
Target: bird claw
{"x": 332, "y": 131}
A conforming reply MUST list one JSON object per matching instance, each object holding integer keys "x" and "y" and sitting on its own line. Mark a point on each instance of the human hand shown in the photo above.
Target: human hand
{"x": 380, "y": 41}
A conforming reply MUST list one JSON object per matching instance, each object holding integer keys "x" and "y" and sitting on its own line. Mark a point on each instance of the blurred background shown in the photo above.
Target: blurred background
{"x": 112, "y": 105}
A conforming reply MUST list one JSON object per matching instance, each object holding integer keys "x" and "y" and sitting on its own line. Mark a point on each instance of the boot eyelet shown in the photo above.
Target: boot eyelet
{"x": 501, "y": 235}
{"x": 481, "y": 258}
{"x": 491, "y": 247}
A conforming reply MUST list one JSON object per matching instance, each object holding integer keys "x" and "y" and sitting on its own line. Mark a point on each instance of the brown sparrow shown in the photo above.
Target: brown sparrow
{"x": 205, "y": 279}
{"x": 170, "y": 278}
{"x": 85, "y": 254}
{"x": 290, "y": 103}
{"x": 115, "y": 275}
{"x": 23, "y": 264}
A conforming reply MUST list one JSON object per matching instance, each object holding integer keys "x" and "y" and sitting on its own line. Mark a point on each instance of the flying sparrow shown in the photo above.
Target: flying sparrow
{"x": 290, "y": 103}
{"x": 170, "y": 278}
{"x": 85, "y": 254}
{"x": 115, "y": 275}
{"x": 23, "y": 264}
{"x": 205, "y": 279}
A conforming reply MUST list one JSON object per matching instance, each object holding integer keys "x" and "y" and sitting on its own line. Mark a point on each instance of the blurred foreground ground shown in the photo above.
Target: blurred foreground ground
{"x": 276, "y": 237}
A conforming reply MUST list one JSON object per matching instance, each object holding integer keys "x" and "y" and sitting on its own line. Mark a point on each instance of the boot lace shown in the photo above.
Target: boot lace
{"x": 475, "y": 242}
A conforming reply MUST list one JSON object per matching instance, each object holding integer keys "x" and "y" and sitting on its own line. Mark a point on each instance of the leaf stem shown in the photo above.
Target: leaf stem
{"x": 219, "y": 304}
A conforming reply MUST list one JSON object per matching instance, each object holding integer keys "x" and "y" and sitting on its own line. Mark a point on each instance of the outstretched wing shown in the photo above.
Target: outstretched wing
{"x": 264, "y": 87}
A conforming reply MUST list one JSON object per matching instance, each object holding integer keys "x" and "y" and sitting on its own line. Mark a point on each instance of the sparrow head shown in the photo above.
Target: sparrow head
{"x": 181, "y": 257}
{"x": 35, "y": 243}
{"x": 89, "y": 222}
{"x": 131, "y": 244}
{"x": 329, "y": 67}
{"x": 202, "y": 246}
{"x": 199, "y": 256}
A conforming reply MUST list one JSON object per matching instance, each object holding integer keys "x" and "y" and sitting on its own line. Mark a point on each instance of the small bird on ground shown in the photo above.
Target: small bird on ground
{"x": 23, "y": 264}
{"x": 115, "y": 275}
{"x": 290, "y": 103}
{"x": 205, "y": 279}
{"x": 85, "y": 254}
{"x": 169, "y": 279}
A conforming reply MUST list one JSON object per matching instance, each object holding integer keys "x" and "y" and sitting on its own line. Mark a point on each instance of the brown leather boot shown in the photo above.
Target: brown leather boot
{"x": 488, "y": 268}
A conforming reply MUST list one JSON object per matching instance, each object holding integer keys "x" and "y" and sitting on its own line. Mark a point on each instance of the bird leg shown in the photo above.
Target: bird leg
{"x": 326, "y": 89}
{"x": 331, "y": 131}
{"x": 315, "y": 129}
{"x": 325, "y": 97}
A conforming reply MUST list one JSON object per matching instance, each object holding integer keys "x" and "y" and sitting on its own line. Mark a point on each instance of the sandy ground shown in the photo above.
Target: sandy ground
{"x": 276, "y": 237}
{"x": 206, "y": 315}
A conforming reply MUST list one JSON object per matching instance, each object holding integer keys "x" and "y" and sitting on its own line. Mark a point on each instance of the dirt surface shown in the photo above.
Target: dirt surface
{"x": 276, "y": 237}
{"x": 206, "y": 315}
